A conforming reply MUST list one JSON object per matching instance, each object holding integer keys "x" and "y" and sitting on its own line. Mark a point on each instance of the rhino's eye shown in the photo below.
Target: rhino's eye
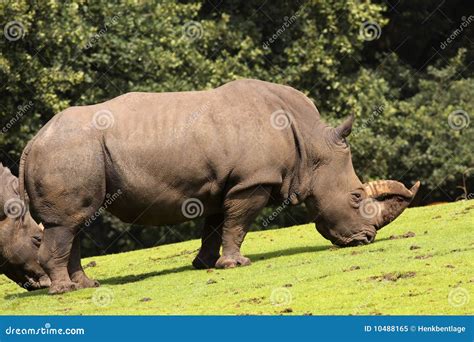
{"x": 342, "y": 143}
{"x": 339, "y": 141}
{"x": 356, "y": 198}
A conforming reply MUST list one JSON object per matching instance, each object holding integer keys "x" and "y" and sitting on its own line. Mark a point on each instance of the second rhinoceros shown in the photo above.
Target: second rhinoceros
{"x": 20, "y": 237}
{"x": 222, "y": 154}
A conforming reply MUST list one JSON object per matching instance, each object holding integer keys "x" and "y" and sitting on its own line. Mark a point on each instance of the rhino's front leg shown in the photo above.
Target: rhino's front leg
{"x": 210, "y": 243}
{"x": 241, "y": 208}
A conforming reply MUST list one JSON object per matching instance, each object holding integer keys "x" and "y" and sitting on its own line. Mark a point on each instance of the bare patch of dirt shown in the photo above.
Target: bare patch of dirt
{"x": 352, "y": 268}
{"x": 436, "y": 217}
{"x": 459, "y": 250}
{"x": 424, "y": 256}
{"x": 450, "y": 266}
{"x": 255, "y": 300}
{"x": 90, "y": 264}
{"x": 377, "y": 250}
{"x": 403, "y": 236}
{"x": 183, "y": 252}
{"x": 146, "y": 299}
{"x": 412, "y": 247}
{"x": 211, "y": 281}
{"x": 393, "y": 276}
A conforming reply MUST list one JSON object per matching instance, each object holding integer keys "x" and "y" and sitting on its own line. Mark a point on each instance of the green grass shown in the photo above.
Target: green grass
{"x": 411, "y": 275}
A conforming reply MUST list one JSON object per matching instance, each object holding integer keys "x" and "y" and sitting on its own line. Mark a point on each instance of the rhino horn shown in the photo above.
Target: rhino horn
{"x": 392, "y": 198}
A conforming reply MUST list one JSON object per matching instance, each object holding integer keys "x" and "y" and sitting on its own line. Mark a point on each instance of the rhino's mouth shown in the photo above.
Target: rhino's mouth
{"x": 362, "y": 238}
{"x": 42, "y": 283}
{"x": 30, "y": 280}
{"x": 36, "y": 282}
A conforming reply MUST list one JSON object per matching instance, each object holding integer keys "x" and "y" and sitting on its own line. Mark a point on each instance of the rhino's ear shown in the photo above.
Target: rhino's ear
{"x": 345, "y": 128}
{"x": 14, "y": 185}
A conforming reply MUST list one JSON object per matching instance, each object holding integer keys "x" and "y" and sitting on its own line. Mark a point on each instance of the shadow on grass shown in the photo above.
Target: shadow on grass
{"x": 139, "y": 277}
{"x": 255, "y": 257}
{"x": 287, "y": 252}
{"x": 133, "y": 278}
{"x": 37, "y": 293}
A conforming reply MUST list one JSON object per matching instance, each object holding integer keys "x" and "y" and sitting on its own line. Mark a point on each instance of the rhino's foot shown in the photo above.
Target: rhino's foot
{"x": 62, "y": 287}
{"x": 232, "y": 261}
{"x": 84, "y": 282}
{"x": 202, "y": 262}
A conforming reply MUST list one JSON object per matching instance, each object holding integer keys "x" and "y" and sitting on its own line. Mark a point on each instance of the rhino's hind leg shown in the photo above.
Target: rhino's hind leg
{"x": 210, "y": 242}
{"x": 54, "y": 257}
{"x": 241, "y": 208}
{"x": 75, "y": 270}
{"x": 64, "y": 196}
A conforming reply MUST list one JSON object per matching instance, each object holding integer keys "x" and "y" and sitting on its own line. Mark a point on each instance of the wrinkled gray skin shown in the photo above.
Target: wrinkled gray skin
{"x": 230, "y": 148}
{"x": 19, "y": 242}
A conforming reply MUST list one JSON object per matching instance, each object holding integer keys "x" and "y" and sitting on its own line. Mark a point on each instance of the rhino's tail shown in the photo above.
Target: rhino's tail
{"x": 21, "y": 179}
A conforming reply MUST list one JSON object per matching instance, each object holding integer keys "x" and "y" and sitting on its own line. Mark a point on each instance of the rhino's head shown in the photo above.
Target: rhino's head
{"x": 345, "y": 211}
{"x": 20, "y": 237}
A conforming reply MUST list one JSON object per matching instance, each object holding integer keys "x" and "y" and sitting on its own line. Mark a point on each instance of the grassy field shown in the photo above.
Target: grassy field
{"x": 420, "y": 264}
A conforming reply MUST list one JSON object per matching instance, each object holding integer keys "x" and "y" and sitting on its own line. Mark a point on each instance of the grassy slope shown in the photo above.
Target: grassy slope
{"x": 294, "y": 262}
